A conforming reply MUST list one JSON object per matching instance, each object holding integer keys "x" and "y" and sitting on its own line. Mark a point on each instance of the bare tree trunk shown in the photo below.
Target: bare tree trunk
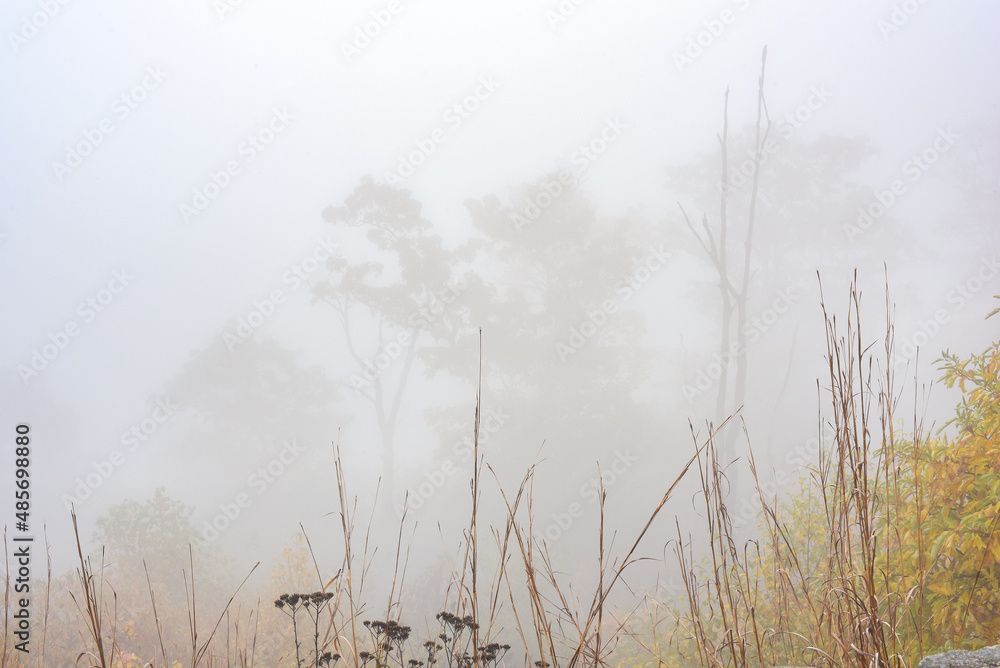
{"x": 723, "y": 268}
{"x": 741, "y": 332}
{"x": 386, "y": 413}
{"x": 388, "y": 421}
{"x": 733, "y": 297}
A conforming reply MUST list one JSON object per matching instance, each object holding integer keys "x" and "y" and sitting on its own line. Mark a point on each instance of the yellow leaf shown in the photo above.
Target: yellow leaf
{"x": 942, "y": 588}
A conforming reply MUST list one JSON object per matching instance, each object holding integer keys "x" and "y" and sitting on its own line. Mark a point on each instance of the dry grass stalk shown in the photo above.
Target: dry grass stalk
{"x": 851, "y": 609}
{"x": 93, "y": 592}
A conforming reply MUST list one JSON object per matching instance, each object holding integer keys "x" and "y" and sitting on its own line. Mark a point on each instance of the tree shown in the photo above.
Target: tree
{"x": 771, "y": 207}
{"x": 733, "y": 292}
{"x": 558, "y": 299}
{"x": 154, "y": 536}
{"x": 248, "y": 399}
{"x": 267, "y": 421}
{"x": 155, "y": 531}
{"x": 403, "y": 287}
{"x": 552, "y": 286}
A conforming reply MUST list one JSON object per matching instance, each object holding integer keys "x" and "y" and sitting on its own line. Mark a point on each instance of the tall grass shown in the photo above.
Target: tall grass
{"x": 769, "y": 601}
{"x": 553, "y": 630}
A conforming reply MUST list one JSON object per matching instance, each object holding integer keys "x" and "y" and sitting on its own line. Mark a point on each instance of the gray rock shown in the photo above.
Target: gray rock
{"x": 988, "y": 657}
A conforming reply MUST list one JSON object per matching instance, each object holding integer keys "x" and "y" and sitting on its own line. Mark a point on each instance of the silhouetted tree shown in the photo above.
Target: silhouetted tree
{"x": 248, "y": 399}
{"x": 792, "y": 197}
{"x": 563, "y": 354}
{"x": 256, "y": 421}
{"x": 399, "y": 292}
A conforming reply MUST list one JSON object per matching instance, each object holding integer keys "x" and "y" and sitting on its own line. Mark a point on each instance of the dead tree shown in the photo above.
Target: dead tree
{"x": 732, "y": 342}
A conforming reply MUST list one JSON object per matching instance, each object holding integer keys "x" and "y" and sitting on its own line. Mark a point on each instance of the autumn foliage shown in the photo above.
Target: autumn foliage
{"x": 888, "y": 552}
{"x": 949, "y": 542}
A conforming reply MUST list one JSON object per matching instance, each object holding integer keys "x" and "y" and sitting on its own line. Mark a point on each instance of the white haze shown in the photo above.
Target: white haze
{"x": 215, "y": 76}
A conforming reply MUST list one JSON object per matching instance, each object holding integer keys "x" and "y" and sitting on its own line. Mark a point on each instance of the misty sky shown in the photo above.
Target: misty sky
{"x": 165, "y": 167}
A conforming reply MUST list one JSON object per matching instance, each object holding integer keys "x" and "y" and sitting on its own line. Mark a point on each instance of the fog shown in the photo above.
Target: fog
{"x": 235, "y": 233}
